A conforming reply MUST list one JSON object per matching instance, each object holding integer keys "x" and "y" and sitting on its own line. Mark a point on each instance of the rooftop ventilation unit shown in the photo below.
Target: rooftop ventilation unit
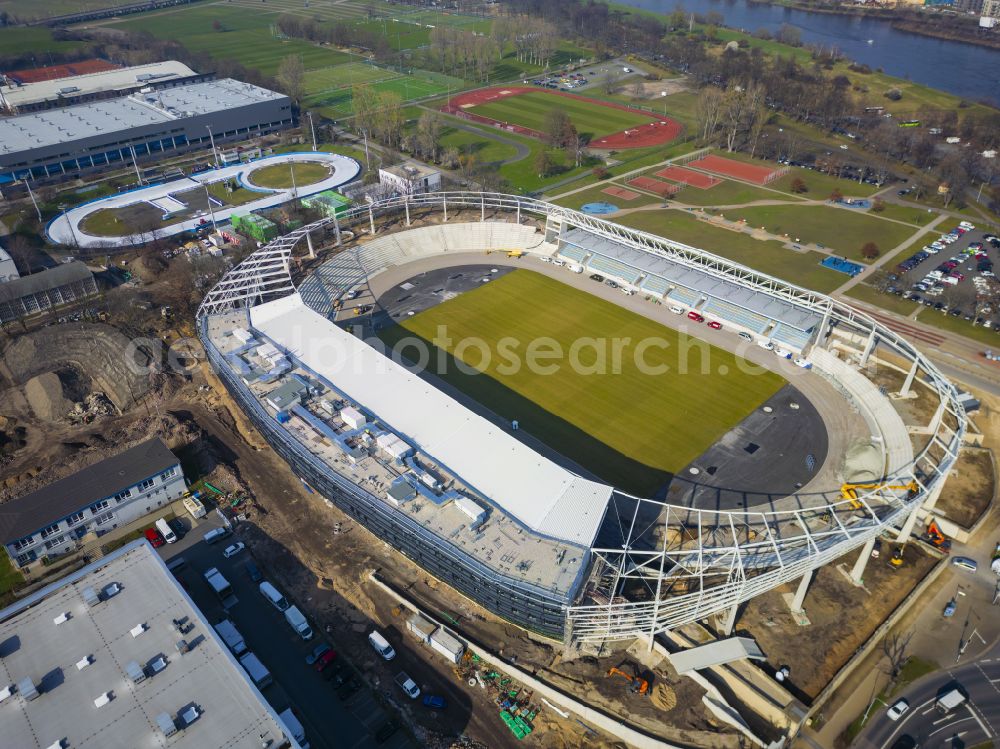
{"x": 63, "y": 617}
{"x": 57, "y": 744}
{"x": 135, "y": 672}
{"x": 102, "y": 699}
{"x": 138, "y": 629}
{"x": 166, "y": 724}
{"x": 190, "y": 714}
{"x": 83, "y": 662}
{"x": 26, "y": 688}
{"x": 6, "y": 692}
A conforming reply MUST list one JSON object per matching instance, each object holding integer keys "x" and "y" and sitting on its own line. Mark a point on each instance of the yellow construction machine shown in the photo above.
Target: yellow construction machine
{"x": 850, "y": 492}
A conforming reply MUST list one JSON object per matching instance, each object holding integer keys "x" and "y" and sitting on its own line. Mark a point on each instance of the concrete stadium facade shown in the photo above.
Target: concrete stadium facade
{"x": 671, "y": 564}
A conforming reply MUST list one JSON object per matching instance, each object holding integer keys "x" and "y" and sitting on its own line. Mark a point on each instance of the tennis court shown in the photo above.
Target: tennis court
{"x": 620, "y": 192}
{"x": 654, "y": 185}
{"x": 688, "y": 177}
{"x": 761, "y": 175}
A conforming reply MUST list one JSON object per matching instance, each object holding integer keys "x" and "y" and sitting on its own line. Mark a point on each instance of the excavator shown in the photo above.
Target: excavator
{"x": 936, "y": 538}
{"x": 637, "y": 685}
{"x": 850, "y": 492}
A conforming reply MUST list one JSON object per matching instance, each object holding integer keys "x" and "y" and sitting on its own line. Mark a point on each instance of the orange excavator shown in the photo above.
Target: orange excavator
{"x": 637, "y": 685}
{"x": 936, "y": 538}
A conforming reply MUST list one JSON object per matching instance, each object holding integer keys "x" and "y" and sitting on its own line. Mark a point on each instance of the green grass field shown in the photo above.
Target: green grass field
{"x": 324, "y": 94}
{"x": 802, "y": 268}
{"x": 632, "y": 428}
{"x": 846, "y": 230}
{"x": 530, "y": 110}
{"x": 17, "y": 40}
{"x": 279, "y": 176}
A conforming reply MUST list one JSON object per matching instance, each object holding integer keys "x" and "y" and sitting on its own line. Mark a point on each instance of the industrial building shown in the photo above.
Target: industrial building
{"x": 56, "y": 518}
{"x": 42, "y": 291}
{"x": 117, "y": 655}
{"x": 156, "y": 124}
{"x": 20, "y": 98}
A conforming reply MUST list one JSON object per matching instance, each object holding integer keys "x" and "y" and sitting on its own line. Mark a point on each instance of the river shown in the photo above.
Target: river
{"x": 962, "y": 69}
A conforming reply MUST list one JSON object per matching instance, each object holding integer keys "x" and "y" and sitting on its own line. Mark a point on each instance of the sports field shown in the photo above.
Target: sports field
{"x": 329, "y": 89}
{"x": 530, "y": 109}
{"x": 631, "y": 426}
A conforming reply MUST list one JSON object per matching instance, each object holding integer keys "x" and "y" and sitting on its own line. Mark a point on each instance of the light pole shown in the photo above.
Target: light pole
{"x": 208, "y": 202}
{"x": 211, "y": 139}
{"x": 312, "y": 128}
{"x": 69, "y": 222}
{"x": 27, "y": 183}
{"x": 368, "y": 163}
{"x": 135, "y": 163}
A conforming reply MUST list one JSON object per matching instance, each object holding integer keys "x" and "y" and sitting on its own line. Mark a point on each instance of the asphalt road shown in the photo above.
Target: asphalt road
{"x": 329, "y": 723}
{"x": 970, "y": 724}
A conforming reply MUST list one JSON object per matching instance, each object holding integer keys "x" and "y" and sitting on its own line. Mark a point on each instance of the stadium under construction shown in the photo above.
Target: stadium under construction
{"x": 519, "y": 532}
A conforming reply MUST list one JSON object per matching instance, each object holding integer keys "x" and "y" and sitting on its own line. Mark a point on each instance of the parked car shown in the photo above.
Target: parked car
{"x": 804, "y": 363}
{"x": 317, "y": 653}
{"x": 677, "y": 310}
{"x": 765, "y": 344}
{"x": 435, "y": 702}
{"x": 745, "y": 336}
{"x": 964, "y": 563}
{"x": 692, "y": 315}
{"x": 324, "y": 660}
{"x": 231, "y": 551}
{"x": 783, "y": 353}
{"x": 154, "y": 537}
{"x": 597, "y": 277}
{"x": 949, "y": 609}
{"x": 253, "y": 571}
{"x": 715, "y": 325}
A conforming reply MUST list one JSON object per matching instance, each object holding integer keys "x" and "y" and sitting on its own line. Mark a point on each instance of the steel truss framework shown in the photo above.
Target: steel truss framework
{"x": 664, "y": 565}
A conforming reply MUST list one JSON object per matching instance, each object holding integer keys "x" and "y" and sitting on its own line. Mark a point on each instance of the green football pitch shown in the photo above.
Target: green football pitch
{"x": 633, "y": 424}
{"x": 590, "y": 117}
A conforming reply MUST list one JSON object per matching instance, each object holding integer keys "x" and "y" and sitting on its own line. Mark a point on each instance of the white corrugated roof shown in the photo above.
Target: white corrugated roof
{"x": 530, "y": 488}
{"x": 715, "y": 653}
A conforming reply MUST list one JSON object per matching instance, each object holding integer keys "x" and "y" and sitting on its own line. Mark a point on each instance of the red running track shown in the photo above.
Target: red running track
{"x": 657, "y": 132}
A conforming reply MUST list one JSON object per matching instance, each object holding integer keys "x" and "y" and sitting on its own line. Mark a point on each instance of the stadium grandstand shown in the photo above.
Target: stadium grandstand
{"x": 566, "y": 557}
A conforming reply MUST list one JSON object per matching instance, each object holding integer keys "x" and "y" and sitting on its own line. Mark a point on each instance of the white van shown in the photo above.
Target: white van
{"x": 381, "y": 645}
{"x": 215, "y": 534}
{"x": 677, "y": 310}
{"x": 271, "y": 594}
{"x": 164, "y": 528}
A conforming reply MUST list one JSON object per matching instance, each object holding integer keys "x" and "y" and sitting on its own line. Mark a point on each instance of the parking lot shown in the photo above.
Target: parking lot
{"x": 335, "y": 706}
{"x": 952, "y": 274}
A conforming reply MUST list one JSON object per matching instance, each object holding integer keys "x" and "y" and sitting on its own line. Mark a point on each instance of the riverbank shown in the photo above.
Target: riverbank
{"x": 919, "y": 22}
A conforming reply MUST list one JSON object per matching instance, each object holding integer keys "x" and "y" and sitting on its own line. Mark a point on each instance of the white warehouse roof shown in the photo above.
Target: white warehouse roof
{"x": 92, "y": 83}
{"x": 528, "y": 487}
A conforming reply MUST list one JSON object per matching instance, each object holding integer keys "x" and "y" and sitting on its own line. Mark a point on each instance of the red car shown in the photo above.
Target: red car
{"x": 692, "y": 315}
{"x": 715, "y": 325}
{"x": 154, "y": 537}
{"x": 325, "y": 660}
{"x": 957, "y": 275}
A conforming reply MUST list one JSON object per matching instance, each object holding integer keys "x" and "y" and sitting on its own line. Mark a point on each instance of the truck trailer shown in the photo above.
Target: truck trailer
{"x": 231, "y": 636}
{"x": 256, "y": 670}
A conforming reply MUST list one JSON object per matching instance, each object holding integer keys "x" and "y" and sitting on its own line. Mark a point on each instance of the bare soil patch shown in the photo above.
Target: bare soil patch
{"x": 842, "y": 616}
{"x": 969, "y": 489}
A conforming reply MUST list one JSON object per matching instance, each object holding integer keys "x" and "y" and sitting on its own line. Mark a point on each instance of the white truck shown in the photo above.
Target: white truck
{"x": 219, "y": 583}
{"x": 294, "y": 727}
{"x": 949, "y": 701}
{"x": 194, "y": 506}
{"x": 298, "y": 622}
{"x": 231, "y": 636}
{"x": 257, "y": 671}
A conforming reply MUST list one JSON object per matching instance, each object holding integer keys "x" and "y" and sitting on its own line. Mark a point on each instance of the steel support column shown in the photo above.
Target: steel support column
{"x": 869, "y": 347}
{"x": 908, "y": 382}
{"x": 336, "y": 228}
{"x": 406, "y": 205}
{"x": 309, "y": 243}
{"x": 907, "y": 528}
{"x": 800, "y": 594}
{"x": 859, "y": 566}
{"x": 730, "y": 621}
{"x": 371, "y": 219}
{"x": 938, "y": 415}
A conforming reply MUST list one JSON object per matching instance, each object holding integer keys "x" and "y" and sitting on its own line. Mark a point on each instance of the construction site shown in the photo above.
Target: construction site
{"x": 69, "y": 398}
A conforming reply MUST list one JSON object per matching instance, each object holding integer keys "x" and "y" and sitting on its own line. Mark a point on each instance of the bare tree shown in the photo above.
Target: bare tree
{"x": 894, "y": 648}
{"x": 291, "y": 76}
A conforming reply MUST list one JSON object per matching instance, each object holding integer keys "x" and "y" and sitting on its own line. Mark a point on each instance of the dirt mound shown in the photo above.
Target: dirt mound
{"x": 45, "y": 395}
{"x": 149, "y": 267}
{"x": 664, "y": 697}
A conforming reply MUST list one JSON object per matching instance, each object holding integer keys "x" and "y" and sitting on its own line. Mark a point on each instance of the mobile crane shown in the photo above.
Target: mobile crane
{"x": 850, "y": 492}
